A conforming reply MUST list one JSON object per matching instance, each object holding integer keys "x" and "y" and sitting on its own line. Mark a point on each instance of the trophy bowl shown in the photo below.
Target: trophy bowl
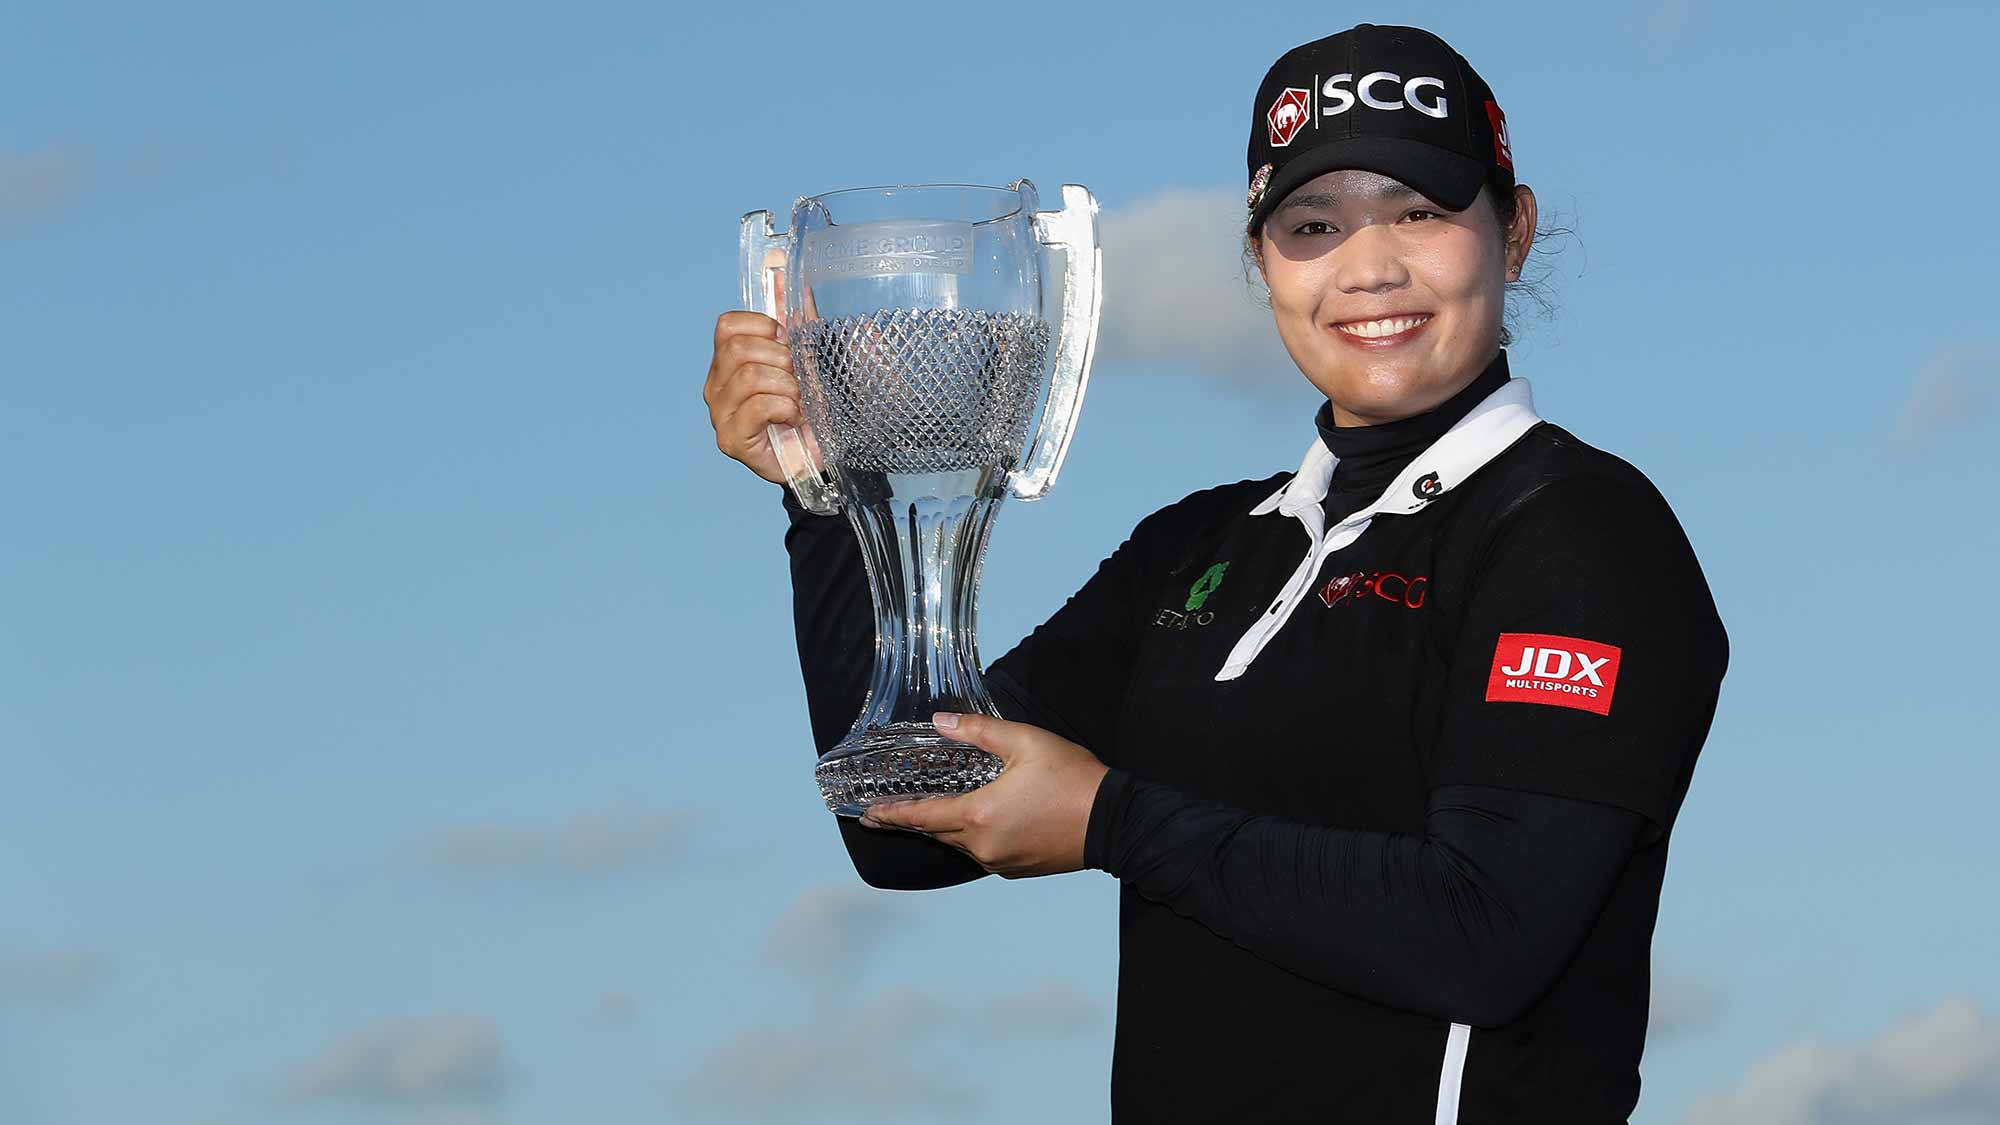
{"x": 941, "y": 335}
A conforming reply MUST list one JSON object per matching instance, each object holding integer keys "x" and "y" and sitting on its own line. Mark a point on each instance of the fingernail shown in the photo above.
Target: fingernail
{"x": 945, "y": 720}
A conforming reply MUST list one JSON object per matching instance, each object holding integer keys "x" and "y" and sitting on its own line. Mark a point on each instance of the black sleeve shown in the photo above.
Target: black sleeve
{"x": 1067, "y": 676}
{"x": 1588, "y": 656}
{"x": 1471, "y": 921}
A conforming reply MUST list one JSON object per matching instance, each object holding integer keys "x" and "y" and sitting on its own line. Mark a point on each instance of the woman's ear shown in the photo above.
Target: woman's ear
{"x": 1521, "y": 232}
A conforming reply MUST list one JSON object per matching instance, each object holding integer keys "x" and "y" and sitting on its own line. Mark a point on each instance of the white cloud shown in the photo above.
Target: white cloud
{"x": 827, "y": 935}
{"x": 49, "y": 977}
{"x": 880, "y": 1056}
{"x": 1955, "y": 387}
{"x": 1175, "y": 290}
{"x": 1682, "y": 1006}
{"x": 614, "y": 1009}
{"x": 1050, "y": 1010}
{"x": 1941, "y": 1067}
{"x": 592, "y": 842}
{"x": 35, "y": 184}
{"x": 1666, "y": 24}
{"x": 877, "y": 1059}
{"x": 830, "y": 1070}
{"x": 448, "y": 1058}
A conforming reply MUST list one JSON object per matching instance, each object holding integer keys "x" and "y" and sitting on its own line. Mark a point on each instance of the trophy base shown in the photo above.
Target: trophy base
{"x": 905, "y": 762}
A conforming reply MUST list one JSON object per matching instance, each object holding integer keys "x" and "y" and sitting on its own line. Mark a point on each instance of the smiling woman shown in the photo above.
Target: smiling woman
{"x": 1385, "y": 752}
{"x": 1389, "y": 302}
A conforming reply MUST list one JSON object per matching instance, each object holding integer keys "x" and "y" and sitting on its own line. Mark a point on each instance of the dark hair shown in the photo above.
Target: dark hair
{"x": 1533, "y": 288}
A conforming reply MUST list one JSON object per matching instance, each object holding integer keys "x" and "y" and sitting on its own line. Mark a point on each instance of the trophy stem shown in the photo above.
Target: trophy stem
{"x": 923, "y": 537}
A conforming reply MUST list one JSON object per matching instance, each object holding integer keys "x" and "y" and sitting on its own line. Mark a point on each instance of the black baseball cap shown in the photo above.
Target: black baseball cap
{"x": 1393, "y": 100}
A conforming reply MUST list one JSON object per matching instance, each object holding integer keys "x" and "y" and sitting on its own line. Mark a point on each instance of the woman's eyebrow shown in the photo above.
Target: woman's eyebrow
{"x": 1302, "y": 202}
{"x": 1380, "y": 192}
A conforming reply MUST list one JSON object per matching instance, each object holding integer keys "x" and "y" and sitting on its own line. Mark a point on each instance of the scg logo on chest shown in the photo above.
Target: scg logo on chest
{"x": 1384, "y": 584}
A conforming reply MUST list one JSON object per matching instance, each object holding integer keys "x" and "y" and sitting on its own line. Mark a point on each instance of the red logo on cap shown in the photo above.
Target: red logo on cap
{"x": 1503, "y": 149}
{"x": 1288, "y": 115}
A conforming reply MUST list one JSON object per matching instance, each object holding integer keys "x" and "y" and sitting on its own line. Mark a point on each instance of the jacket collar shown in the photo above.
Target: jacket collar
{"x": 1488, "y": 428}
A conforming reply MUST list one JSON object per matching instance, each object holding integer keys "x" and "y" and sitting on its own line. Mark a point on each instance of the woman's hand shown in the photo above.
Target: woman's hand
{"x": 1030, "y": 820}
{"x": 750, "y": 386}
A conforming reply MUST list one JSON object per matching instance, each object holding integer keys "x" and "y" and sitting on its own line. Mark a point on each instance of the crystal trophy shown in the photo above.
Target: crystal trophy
{"x": 941, "y": 335}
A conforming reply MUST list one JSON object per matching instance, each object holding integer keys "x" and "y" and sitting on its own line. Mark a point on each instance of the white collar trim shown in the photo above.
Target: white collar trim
{"x": 1488, "y": 428}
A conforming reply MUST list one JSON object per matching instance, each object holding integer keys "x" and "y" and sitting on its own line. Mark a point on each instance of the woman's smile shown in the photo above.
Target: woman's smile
{"x": 1382, "y": 332}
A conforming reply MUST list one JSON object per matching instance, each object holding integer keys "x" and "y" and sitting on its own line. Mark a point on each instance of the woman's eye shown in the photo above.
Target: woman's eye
{"x": 1420, "y": 214}
{"x": 1314, "y": 226}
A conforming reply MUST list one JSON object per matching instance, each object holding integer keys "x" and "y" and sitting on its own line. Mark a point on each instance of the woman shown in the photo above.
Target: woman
{"x": 1385, "y": 752}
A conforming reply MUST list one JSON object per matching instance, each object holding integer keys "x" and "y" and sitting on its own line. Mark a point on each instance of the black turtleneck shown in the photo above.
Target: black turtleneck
{"x": 1371, "y": 456}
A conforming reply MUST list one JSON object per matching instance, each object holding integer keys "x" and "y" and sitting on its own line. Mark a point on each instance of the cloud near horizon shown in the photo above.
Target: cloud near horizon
{"x": 845, "y": 1063}
{"x": 589, "y": 843}
{"x": 828, "y": 933}
{"x": 1940, "y": 1067}
{"x": 879, "y": 1056}
{"x": 50, "y": 977}
{"x": 1682, "y": 1007}
{"x": 1050, "y": 1010}
{"x": 450, "y": 1060}
{"x": 614, "y": 1009}
{"x": 1666, "y": 24}
{"x": 1956, "y": 387}
{"x": 34, "y": 185}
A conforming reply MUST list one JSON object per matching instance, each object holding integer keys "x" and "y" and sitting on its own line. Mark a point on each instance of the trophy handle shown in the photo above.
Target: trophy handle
{"x": 763, "y": 271}
{"x": 1074, "y": 229}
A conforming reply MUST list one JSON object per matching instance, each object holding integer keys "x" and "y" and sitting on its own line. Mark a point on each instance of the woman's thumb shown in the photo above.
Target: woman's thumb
{"x": 983, "y": 731}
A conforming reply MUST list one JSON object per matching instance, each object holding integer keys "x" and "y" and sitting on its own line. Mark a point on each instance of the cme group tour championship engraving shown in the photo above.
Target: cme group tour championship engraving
{"x": 887, "y": 249}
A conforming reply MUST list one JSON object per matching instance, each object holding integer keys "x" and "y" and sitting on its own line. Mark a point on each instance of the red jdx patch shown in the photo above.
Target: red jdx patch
{"x": 1558, "y": 671}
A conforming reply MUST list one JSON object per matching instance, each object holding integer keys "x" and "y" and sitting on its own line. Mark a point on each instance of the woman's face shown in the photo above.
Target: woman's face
{"x": 1389, "y": 303}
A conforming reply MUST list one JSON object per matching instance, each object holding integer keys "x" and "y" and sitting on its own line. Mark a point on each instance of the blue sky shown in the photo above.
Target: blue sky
{"x": 398, "y": 712}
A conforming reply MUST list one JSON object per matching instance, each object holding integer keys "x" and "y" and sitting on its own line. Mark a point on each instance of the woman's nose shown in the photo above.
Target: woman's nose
{"x": 1370, "y": 262}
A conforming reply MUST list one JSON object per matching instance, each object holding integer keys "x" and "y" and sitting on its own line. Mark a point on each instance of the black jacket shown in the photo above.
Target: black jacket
{"x": 1431, "y": 796}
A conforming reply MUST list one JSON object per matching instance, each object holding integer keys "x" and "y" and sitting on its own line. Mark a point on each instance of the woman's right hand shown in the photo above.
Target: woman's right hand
{"x": 750, "y": 385}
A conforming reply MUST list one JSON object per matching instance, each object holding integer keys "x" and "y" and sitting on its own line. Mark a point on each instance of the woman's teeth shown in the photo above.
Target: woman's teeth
{"x": 1375, "y": 328}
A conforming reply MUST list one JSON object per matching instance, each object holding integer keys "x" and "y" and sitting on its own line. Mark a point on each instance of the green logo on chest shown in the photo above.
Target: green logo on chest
{"x": 1205, "y": 585}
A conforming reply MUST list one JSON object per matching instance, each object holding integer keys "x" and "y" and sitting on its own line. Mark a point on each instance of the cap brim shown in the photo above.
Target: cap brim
{"x": 1445, "y": 177}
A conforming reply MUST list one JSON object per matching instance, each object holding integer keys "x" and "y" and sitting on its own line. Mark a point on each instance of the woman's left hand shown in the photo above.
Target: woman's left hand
{"x": 1030, "y": 820}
